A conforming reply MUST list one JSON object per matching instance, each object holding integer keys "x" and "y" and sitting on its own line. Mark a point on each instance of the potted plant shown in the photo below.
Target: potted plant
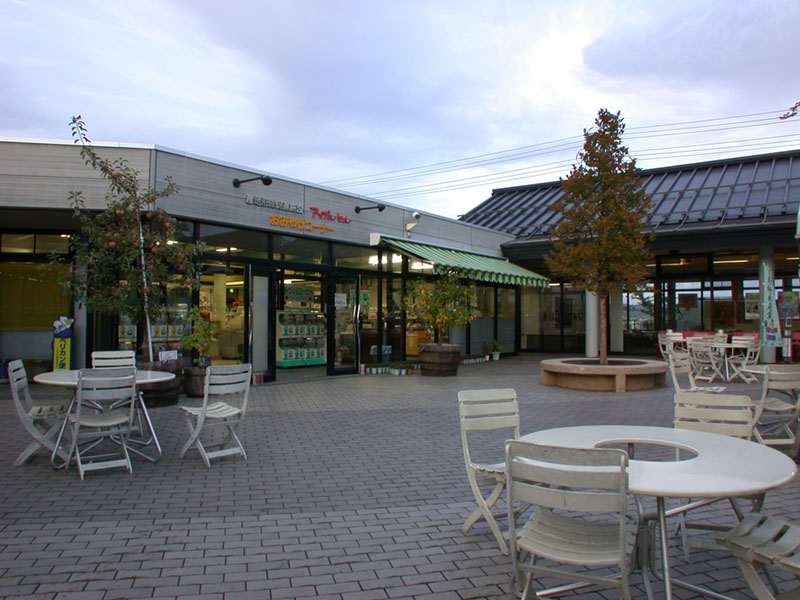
{"x": 199, "y": 341}
{"x": 126, "y": 253}
{"x": 447, "y": 303}
{"x": 495, "y": 347}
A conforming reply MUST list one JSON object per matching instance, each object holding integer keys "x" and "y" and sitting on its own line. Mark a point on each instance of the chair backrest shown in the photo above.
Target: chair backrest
{"x": 113, "y": 358}
{"x": 781, "y": 378}
{"x": 18, "y": 380}
{"x": 106, "y": 387}
{"x": 578, "y": 480}
{"x": 726, "y": 414}
{"x": 680, "y": 364}
{"x": 228, "y": 380}
{"x": 484, "y": 410}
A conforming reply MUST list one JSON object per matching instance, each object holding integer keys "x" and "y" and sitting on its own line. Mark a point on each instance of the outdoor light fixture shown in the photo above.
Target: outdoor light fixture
{"x": 265, "y": 179}
{"x": 380, "y": 208}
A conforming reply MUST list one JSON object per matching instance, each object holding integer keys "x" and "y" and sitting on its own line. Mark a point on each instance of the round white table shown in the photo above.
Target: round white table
{"x": 722, "y": 466}
{"x": 69, "y": 378}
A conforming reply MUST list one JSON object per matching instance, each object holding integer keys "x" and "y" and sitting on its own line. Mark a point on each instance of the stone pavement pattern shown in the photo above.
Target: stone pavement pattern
{"x": 354, "y": 489}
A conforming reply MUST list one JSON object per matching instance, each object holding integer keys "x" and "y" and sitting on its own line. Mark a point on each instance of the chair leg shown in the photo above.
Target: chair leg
{"x": 194, "y": 440}
{"x": 483, "y": 511}
{"x": 145, "y": 426}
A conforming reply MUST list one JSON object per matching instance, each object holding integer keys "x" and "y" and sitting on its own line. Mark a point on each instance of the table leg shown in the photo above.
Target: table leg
{"x": 662, "y": 525}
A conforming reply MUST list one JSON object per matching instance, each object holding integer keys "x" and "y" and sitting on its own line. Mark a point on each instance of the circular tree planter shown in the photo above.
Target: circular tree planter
{"x": 439, "y": 360}
{"x": 617, "y": 376}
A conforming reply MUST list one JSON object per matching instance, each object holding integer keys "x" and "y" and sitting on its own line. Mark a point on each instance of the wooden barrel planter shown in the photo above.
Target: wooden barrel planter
{"x": 164, "y": 393}
{"x": 439, "y": 360}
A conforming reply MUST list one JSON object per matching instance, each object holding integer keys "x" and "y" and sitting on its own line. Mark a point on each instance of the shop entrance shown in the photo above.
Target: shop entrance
{"x": 301, "y": 331}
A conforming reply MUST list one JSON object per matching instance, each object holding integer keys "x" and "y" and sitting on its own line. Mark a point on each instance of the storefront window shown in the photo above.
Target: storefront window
{"x": 531, "y": 325}
{"x": 32, "y": 299}
{"x": 295, "y": 249}
{"x": 355, "y": 257}
{"x": 506, "y": 321}
{"x": 230, "y": 242}
{"x": 482, "y": 326}
{"x": 29, "y": 243}
{"x": 683, "y": 265}
{"x": 222, "y": 296}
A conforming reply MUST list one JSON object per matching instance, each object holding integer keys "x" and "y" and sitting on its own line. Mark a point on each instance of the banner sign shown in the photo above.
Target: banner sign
{"x": 770, "y": 321}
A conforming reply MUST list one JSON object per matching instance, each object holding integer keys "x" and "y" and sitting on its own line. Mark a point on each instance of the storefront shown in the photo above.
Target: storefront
{"x": 724, "y": 231}
{"x": 298, "y": 280}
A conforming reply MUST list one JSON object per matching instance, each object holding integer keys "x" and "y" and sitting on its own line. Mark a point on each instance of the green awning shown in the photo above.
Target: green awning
{"x": 473, "y": 266}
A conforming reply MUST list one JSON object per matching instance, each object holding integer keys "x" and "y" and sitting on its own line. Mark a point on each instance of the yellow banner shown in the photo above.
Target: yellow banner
{"x": 62, "y": 353}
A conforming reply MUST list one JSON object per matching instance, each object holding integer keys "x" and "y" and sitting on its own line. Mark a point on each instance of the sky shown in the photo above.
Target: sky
{"x": 428, "y": 104}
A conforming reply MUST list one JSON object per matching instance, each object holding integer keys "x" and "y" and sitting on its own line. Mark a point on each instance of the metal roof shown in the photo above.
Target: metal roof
{"x": 753, "y": 190}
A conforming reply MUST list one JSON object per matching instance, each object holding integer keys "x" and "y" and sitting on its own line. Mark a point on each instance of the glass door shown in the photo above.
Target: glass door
{"x": 346, "y": 329}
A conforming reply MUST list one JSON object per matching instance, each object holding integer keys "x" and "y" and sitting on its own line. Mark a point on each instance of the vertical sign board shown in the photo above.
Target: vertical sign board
{"x": 62, "y": 343}
{"x": 770, "y": 322}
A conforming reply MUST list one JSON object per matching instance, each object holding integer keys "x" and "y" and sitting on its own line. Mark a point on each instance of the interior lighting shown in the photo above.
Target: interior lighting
{"x": 731, "y": 261}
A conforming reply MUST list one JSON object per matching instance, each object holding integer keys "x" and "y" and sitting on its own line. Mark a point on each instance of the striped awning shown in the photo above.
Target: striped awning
{"x": 467, "y": 264}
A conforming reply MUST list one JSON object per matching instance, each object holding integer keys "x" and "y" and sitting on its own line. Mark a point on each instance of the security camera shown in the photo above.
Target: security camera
{"x": 416, "y": 216}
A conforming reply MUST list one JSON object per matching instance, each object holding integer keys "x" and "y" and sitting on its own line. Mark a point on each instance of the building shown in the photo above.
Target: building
{"x": 724, "y": 232}
{"x": 298, "y": 278}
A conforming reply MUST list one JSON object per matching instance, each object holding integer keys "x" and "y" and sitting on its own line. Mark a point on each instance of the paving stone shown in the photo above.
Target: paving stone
{"x": 354, "y": 488}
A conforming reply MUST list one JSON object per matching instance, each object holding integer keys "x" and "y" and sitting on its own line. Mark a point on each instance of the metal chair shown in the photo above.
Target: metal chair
{"x": 486, "y": 410}
{"x": 103, "y": 409}
{"x": 143, "y": 434}
{"x": 706, "y": 361}
{"x": 767, "y": 542}
{"x": 724, "y": 414}
{"x": 225, "y": 393}
{"x": 777, "y": 416}
{"x": 40, "y": 418}
{"x": 580, "y": 517}
{"x": 680, "y": 365}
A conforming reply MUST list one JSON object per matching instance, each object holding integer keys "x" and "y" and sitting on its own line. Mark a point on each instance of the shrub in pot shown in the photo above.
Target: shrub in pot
{"x": 199, "y": 341}
{"x": 447, "y": 302}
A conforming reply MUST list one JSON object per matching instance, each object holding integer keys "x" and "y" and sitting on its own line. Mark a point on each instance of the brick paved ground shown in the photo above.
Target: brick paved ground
{"x": 354, "y": 489}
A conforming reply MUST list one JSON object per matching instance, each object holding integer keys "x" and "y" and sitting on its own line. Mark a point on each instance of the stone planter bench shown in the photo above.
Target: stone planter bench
{"x": 620, "y": 375}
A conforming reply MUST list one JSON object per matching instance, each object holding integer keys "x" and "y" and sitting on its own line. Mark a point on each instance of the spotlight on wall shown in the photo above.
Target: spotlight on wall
{"x": 380, "y": 208}
{"x": 265, "y": 179}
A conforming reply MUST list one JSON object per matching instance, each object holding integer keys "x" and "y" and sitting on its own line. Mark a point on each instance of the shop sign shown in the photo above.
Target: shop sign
{"x": 273, "y": 204}
{"x": 327, "y": 215}
{"x": 301, "y": 224}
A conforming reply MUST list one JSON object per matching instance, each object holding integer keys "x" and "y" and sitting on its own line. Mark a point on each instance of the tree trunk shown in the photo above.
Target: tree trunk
{"x": 603, "y": 350}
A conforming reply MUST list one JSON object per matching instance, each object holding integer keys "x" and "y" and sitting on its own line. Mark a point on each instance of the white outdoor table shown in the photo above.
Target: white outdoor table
{"x": 69, "y": 378}
{"x": 722, "y": 467}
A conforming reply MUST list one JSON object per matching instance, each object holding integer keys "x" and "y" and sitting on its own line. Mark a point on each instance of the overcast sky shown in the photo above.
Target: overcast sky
{"x": 327, "y": 90}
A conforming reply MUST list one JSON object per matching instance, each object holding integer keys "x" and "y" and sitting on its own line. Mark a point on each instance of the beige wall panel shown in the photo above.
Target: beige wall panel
{"x": 42, "y": 175}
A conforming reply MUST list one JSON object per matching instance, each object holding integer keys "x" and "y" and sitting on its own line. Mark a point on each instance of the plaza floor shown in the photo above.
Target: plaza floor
{"x": 354, "y": 488}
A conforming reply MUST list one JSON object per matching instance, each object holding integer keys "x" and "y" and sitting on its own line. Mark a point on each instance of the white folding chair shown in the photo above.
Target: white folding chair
{"x": 765, "y": 541}
{"x": 225, "y": 395}
{"x": 487, "y": 410}
{"x": 744, "y": 349}
{"x": 143, "y": 433}
{"x": 724, "y": 414}
{"x": 580, "y": 516}
{"x": 103, "y": 409}
{"x": 680, "y": 366}
{"x": 777, "y": 416}
{"x": 706, "y": 361}
{"x": 40, "y": 418}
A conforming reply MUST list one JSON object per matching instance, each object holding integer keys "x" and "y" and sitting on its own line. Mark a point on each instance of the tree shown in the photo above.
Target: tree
{"x": 124, "y": 255}
{"x": 600, "y": 244}
{"x": 444, "y": 304}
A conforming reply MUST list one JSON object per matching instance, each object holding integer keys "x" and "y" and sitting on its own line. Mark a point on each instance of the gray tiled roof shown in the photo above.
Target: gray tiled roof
{"x": 753, "y": 190}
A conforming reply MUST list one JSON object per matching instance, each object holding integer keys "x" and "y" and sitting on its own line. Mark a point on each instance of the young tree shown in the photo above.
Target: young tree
{"x": 600, "y": 244}
{"x": 126, "y": 253}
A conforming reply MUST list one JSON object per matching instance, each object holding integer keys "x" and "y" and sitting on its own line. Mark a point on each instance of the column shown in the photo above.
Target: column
{"x": 592, "y": 325}
{"x": 616, "y": 323}
{"x": 766, "y": 286}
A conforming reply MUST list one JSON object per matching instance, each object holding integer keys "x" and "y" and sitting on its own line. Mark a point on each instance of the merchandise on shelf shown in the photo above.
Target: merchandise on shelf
{"x": 301, "y": 338}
